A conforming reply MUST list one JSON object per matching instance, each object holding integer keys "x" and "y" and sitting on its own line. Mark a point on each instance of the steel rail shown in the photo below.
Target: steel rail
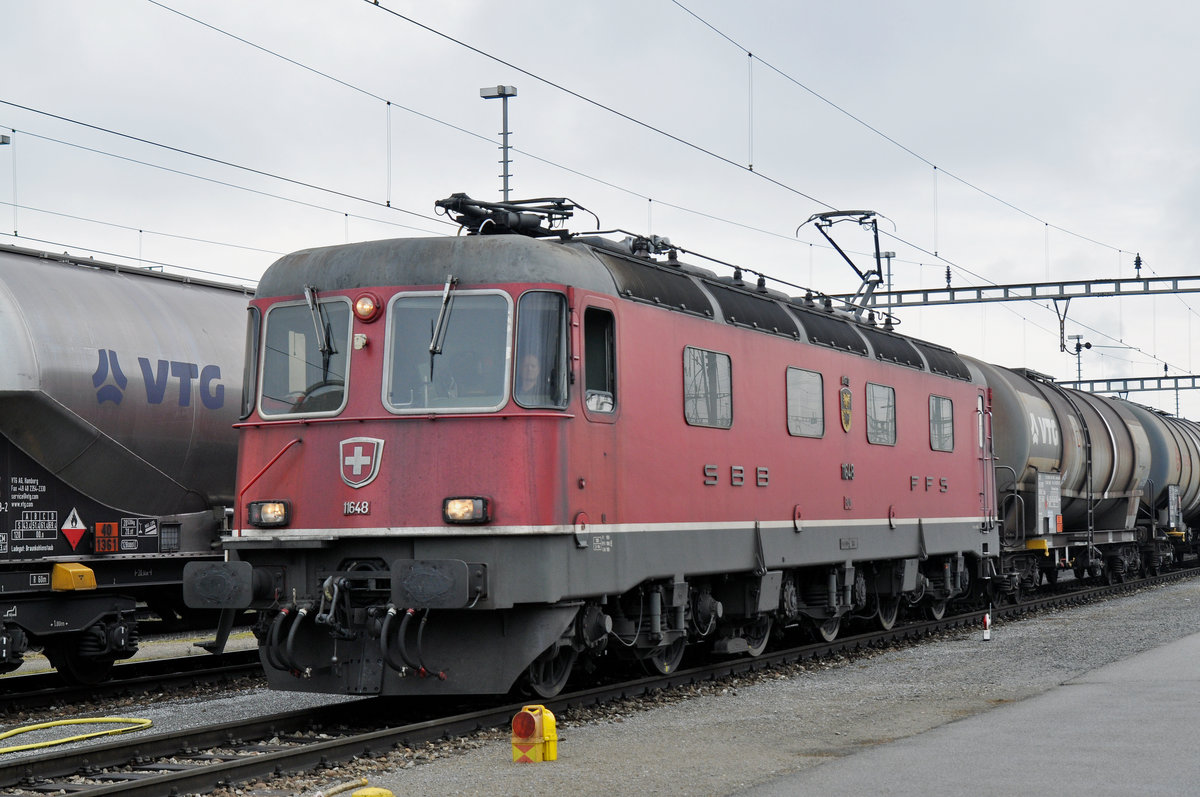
{"x": 38, "y": 690}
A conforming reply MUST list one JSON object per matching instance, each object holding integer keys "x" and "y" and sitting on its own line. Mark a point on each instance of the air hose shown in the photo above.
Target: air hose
{"x": 131, "y": 725}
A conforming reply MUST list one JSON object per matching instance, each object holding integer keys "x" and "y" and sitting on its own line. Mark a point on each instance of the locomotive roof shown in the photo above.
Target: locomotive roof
{"x": 427, "y": 261}
{"x": 596, "y": 265}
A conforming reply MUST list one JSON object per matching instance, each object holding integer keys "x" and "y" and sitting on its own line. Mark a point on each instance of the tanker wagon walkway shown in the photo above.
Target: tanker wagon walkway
{"x": 1125, "y": 728}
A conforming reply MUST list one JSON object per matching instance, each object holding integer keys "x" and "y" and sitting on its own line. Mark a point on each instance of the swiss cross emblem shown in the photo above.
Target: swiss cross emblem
{"x": 360, "y": 460}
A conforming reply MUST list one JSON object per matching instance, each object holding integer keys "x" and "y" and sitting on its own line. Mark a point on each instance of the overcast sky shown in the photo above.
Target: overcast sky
{"x": 1019, "y": 141}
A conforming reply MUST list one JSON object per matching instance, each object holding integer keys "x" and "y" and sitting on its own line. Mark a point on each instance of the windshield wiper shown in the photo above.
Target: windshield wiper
{"x": 443, "y": 319}
{"x": 310, "y": 296}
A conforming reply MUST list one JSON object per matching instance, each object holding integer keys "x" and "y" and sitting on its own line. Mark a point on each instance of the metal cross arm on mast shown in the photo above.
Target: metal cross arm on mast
{"x": 1038, "y": 291}
{"x": 1134, "y": 384}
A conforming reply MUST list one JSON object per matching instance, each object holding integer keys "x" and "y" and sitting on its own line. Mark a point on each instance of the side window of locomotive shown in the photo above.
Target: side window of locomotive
{"x": 250, "y": 367}
{"x": 453, "y": 359}
{"x": 599, "y": 360}
{"x": 541, "y": 364}
{"x": 707, "y": 388}
{"x": 304, "y": 358}
{"x": 881, "y": 415}
{"x": 941, "y": 423}
{"x": 805, "y": 405}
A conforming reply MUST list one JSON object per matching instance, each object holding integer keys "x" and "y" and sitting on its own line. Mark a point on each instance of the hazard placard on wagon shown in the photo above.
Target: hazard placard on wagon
{"x": 73, "y": 529}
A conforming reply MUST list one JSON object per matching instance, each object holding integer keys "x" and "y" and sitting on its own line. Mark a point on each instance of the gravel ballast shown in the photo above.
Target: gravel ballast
{"x": 720, "y": 738}
{"x": 723, "y": 738}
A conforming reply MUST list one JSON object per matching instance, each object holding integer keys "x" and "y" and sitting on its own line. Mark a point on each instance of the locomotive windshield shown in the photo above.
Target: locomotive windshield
{"x": 468, "y": 371}
{"x": 304, "y": 359}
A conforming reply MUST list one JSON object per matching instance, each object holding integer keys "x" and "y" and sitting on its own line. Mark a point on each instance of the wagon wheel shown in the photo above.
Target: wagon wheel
{"x": 889, "y": 609}
{"x": 827, "y": 630}
{"x": 74, "y": 668}
{"x": 757, "y": 634}
{"x": 549, "y": 672}
{"x": 665, "y": 659}
{"x": 937, "y": 610}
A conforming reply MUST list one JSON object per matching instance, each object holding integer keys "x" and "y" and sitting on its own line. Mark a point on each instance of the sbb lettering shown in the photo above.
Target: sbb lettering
{"x": 737, "y": 475}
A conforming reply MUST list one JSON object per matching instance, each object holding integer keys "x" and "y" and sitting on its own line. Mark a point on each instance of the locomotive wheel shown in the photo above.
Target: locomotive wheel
{"x": 828, "y": 629}
{"x": 665, "y": 660}
{"x": 77, "y": 669}
{"x": 889, "y": 609}
{"x": 937, "y": 610}
{"x": 549, "y": 672}
{"x": 757, "y": 635}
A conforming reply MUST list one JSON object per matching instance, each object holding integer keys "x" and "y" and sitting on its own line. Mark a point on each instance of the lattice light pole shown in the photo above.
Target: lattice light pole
{"x": 502, "y": 93}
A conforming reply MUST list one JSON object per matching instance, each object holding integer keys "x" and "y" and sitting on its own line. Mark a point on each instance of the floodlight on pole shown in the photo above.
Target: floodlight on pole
{"x": 502, "y": 93}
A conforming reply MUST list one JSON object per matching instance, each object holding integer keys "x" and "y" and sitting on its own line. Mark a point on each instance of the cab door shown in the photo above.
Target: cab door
{"x": 596, "y": 443}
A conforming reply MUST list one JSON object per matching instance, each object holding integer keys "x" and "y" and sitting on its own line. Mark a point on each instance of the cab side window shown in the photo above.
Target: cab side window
{"x": 599, "y": 360}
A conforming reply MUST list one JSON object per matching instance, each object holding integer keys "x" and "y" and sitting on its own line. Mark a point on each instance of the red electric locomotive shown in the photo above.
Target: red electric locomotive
{"x": 467, "y": 462}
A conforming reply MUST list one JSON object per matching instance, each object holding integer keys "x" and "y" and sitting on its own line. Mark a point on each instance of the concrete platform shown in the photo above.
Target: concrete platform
{"x": 1131, "y": 727}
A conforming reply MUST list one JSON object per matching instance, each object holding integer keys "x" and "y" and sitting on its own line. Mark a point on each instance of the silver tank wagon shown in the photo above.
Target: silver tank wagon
{"x": 119, "y": 388}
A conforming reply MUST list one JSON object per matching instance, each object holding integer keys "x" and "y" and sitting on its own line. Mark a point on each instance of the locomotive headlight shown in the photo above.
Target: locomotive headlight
{"x": 366, "y": 307}
{"x": 267, "y": 514}
{"x": 467, "y": 510}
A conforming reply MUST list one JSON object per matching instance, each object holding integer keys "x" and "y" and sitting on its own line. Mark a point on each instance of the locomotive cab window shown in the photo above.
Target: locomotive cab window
{"x": 805, "y": 407}
{"x": 304, "y": 358}
{"x": 541, "y": 364}
{"x": 707, "y": 388}
{"x": 881, "y": 415}
{"x": 599, "y": 361}
{"x": 447, "y": 352}
{"x": 941, "y": 423}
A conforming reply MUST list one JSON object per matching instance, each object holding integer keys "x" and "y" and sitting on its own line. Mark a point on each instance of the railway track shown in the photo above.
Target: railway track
{"x": 43, "y": 689}
{"x": 205, "y": 758}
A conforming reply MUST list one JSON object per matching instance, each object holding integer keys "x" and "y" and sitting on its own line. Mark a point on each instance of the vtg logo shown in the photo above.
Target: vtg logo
{"x": 110, "y": 381}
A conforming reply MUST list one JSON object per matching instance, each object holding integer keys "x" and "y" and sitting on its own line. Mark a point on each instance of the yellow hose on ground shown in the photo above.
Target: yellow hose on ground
{"x": 340, "y": 788}
{"x": 132, "y": 725}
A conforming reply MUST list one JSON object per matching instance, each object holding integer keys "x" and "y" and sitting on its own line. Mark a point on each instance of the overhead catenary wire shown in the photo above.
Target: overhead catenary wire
{"x": 885, "y": 136}
{"x": 214, "y": 160}
{"x": 140, "y": 230}
{"x": 235, "y": 186}
{"x": 750, "y": 59}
